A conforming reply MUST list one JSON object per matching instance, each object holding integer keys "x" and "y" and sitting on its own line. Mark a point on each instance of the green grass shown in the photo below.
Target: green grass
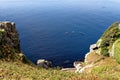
{"x": 107, "y": 72}
{"x": 17, "y": 71}
{"x": 117, "y": 50}
{"x": 109, "y": 37}
{"x": 20, "y": 71}
{"x": 102, "y": 69}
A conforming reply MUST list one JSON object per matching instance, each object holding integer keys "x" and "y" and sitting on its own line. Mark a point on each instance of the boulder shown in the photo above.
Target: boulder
{"x": 93, "y": 47}
{"x": 78, "y": 65}
{"x": 80, "y": 68}
{"x": 44, "y": 63}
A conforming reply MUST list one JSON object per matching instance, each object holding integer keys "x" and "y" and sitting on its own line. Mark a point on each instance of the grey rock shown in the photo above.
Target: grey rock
{"x": 78, "y": 65}
{"x": 44, "y": 63}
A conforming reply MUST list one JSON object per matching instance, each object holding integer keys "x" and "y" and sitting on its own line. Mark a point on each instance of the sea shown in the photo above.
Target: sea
{"x": 60, "y": 31}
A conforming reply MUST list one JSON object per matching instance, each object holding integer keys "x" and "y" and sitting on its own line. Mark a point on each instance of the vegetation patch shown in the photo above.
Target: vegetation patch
{"x": 101, "y": 69}
{"x": 117, "y": 50}
{"x": 109, "y": 37}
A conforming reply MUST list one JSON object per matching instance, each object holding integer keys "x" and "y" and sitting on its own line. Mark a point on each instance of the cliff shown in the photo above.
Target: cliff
{"x": 101, "y": 63}
{"x": 9, "y": 36}
{"x": 104, "y": 56}
{"x": 10, "y": 43}
{"x": 13, "y": 62}
{"x": 107, "y": 45}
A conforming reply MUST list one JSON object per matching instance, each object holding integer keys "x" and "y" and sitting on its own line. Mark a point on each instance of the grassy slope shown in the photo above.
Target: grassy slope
{"x": 105, "y": 68}
{"x": 20, "y": 71}
{"x": 117, "y": 50}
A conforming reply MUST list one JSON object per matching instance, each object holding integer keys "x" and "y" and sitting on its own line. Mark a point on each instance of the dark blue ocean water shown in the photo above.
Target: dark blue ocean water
{"x": 59, "y": 30}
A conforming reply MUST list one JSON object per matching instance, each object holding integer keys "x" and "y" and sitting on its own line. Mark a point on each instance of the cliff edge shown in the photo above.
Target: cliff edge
{"x": 103, "y": 58}
{"x": 10, "y": 43}
{"x": 9, "y": 36}
{"x": 107, "y": 45}
{"x": 101, "y": 62}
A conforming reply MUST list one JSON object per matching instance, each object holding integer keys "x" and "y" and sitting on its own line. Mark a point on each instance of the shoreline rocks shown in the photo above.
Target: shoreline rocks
{"x": 44, "y": 63}
{"x": 78, "y": 65}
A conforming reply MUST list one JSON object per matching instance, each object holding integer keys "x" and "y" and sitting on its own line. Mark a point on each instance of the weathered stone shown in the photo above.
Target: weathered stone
{"x": 111, "y": 51}
{"x": 119, "y": 26}
{"x": 93, "y": 47}
{"x": 78, "y": 65}
{"x": 44, "y": 63}
{"x": 10, "y": 35}
{"x": 85, "y": 67}
{"x": 80, "y": 68}
{"x": 86, "y": 55}
{"x": 96, "y": 47}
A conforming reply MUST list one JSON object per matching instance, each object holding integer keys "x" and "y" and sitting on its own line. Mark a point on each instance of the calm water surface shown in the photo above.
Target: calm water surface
{"x": 59, "y": 30}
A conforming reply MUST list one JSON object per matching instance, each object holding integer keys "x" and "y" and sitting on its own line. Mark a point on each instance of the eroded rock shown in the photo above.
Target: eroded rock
{"x": 78, "y": 65}
{"x": 9, "y": 35}
{"x": 44, "y": 63}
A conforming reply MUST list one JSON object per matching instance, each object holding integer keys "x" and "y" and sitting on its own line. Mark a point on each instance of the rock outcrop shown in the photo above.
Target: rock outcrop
{"x": 10, "y": 43}
{"x": 9, "y": 35}
{"x": 78, "y": 65}
{"x": 106, "y": 46}
{"x": 44, "y": 63}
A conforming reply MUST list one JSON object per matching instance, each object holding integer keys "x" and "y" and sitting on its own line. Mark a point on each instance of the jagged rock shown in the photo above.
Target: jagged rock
{"x": 78, "y": 65}
{"x": 10, "y": 43}
{"x": 93, "y": 47}
{"x": 119, "y": 26}
{"x": 44, "y": 63}
{"x": 9, "y": 35}
{"x": 86, "y": 55}
{"x": 105, "y": 46}
{"x": 85, "y": 67}
{"x": 80, "y": 68}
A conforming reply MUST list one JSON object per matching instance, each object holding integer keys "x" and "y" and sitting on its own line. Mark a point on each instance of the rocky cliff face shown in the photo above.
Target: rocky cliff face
{"x": 10, "y": 43}
{"x": 104, "y": 50}
{"x": 9, "y": 35}
{"x": 106, "y": 44}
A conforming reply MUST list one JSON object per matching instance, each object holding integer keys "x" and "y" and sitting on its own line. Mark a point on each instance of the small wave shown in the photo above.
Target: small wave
{"x": 82, "y": 33}
{"x": 73, "y": 32}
